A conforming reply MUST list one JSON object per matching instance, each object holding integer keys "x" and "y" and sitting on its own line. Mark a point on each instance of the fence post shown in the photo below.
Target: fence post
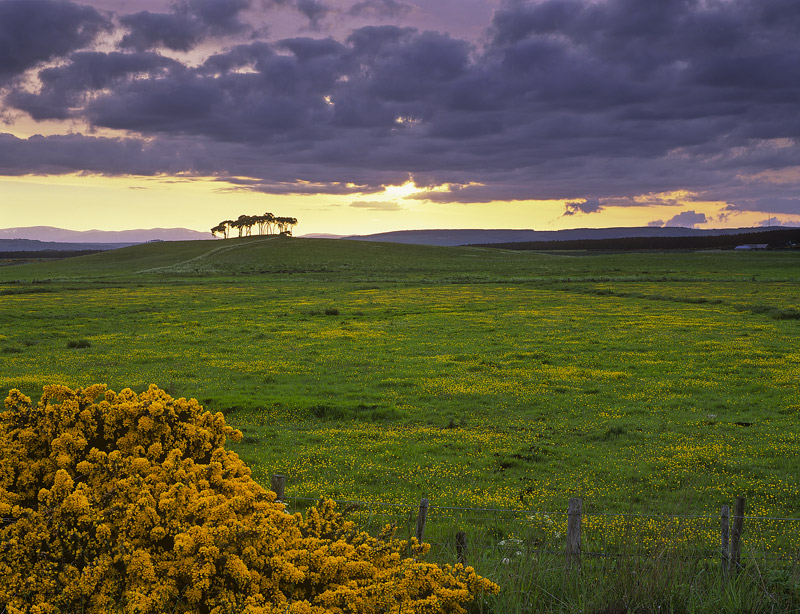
{"x": 461, "y": 547}
{"x": 574, "y": 533}
{"x": 736, "y": 534}
{"x": 278, "y": 486}
{"x": 725, "y": 516}
{"x": 422, "y": 518}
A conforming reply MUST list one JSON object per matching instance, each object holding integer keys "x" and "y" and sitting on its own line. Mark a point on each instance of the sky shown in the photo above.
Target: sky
{"x": 361, "y": 116}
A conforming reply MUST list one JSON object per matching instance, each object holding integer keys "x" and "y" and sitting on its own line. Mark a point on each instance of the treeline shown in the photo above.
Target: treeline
{"x": 775, "y": 239}
{"x": 267, "y": 224}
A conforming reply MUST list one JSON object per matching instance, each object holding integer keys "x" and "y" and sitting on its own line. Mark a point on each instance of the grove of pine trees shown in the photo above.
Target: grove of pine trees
{"x": 266, "y": 223}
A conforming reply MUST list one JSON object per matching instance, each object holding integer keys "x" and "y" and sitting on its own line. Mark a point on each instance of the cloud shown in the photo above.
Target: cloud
{"x": 75, "y": 153}
{"x": 377, "y": 205}
{"x": 773, "y": 221}
{"x": 67, "y": 87}
{"x": 181, "y": 30}
{"x": 379, "y": 8}
{"x": 563, "y": 98}
{"x": 767, "y": 205}
{"x": 147, "y": 30}
{"x": 228, "y": 163}
{"x": 292, "y": 187}
{"x": 688, "y": 219}
{"x": 313, "y": 10}
{"x": 33, "y": 31}
{"x": 588, "y": 205}
{"x": 656, "y": 224}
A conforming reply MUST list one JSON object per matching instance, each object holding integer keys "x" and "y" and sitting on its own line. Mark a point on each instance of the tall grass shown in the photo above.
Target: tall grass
{"x": 656, "y": 583}
{"x": 654, "y": 565}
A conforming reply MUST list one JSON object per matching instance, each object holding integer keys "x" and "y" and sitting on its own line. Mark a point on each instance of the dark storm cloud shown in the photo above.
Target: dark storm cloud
{"x": 772, "y": 222}
{"x": 689, "y": 219}
{"x": 229, "y": 163}
{"x": 75, "y": 153}
{"x": 589, "y": 205}
{"x": 566, "y": 98}
{"x": 281, "y": 93}
{"x": 181, "y": 30}
{"x": 66, "y": 87}
{"x": 767, "y": 205}
{"x": 313, "y": 10}
{"x": 147, "y": 30}
{"x": 33, "y": 31}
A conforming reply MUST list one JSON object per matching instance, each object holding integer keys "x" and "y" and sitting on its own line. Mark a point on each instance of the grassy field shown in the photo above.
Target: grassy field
{"x": 663, "y": 382}
{"x": 645, "y": 383}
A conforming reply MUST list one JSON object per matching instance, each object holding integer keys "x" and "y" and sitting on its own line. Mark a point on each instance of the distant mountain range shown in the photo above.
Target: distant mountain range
{"x": 30, "y": 245}
{"x": 40, "y": 238}
{"x": 481, "y": 237}
{"x": 60, "y": 235}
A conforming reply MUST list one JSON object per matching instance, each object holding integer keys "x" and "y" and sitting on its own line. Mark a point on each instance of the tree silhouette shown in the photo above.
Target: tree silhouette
{"x": 267, "y": 224}
{"x": 245, "y": 223}
{"x": 285, "y": 224}
{"x": 228, "y": 224}
{"x": 220, "y": 228}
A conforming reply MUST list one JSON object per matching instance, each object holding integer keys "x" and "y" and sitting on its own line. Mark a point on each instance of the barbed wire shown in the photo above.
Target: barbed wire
{"x": 541, "y": 512}
{"x": 515, "y": 534}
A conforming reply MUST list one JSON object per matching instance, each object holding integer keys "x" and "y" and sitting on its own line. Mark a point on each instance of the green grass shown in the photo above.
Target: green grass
{"x": 642, "y": 382}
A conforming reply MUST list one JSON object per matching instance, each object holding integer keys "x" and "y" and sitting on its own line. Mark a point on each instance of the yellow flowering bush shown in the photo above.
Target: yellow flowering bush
{"x": 124, "y": 502}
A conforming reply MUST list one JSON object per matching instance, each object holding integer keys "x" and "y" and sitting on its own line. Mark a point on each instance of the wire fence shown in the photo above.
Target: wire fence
{"x": 464, "y": 534}
{"x": 461, "y": 534}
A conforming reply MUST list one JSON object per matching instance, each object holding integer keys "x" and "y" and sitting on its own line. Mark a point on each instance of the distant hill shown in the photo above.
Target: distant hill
{"x": 357, "y": 262}
{"x": 321, "y": 259}
{"x": 454, "y": 237}
{"x": 778, "y": 238}
{"x": 50, "y": 234}
{"x": 30, "y": 245}
{"x": 37, "y": 238}
{"x": 321, "y": 235}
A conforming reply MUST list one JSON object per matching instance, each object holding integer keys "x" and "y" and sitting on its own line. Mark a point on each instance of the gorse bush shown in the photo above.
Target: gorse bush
{"x": 126, "y": 502}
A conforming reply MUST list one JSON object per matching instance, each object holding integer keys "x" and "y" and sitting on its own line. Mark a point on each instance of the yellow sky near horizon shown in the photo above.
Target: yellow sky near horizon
{"x": 85, "y": 202}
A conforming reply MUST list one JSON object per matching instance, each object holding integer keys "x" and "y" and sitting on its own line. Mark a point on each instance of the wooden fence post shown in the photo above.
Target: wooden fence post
{"x": 278, "y": 486}
{"x": 574, "y": 533}
{"x": 422, "y": 518}
{"x": 736, "y": 534}
{"x": 461, "y": 547}
{"x": 725, "y": 517}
